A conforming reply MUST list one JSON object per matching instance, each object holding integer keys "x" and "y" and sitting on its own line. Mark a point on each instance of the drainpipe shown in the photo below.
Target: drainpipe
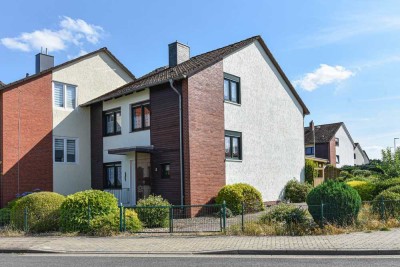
{"x": 171, "y": 83}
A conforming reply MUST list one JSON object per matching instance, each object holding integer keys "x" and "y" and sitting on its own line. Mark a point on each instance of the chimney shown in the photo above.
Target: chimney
{"x": 178, "y": 53}
{"x": 44, "y": 62}
{"x": 312, "y": 125}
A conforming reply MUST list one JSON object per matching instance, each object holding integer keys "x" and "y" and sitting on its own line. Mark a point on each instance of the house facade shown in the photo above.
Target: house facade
{"x": 233, "y": 101}
{"x": 181, "y": 131}
{"x": 332, "y": 142}
{"x": 45, "y": 134}
{"x": 360, "y": 156}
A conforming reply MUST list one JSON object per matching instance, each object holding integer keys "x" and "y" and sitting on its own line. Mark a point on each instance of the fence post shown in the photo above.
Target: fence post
{"x": 322, "y": 215}
{"x": 242, "y": 216}
{"x": 224, "y": 215}
{"x": 382, "y": 208}
{"x": 171, "y": 219}
{"x": 26, "y": 219}
{"x": 121, "y": 219}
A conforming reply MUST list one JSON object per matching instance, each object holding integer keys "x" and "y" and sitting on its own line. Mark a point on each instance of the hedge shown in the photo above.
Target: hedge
{"x": 365, "y": 189}
{"x": 296, "y": 192}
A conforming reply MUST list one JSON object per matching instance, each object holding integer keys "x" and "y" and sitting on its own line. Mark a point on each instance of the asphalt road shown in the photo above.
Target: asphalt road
{"x": 22, "y": 260}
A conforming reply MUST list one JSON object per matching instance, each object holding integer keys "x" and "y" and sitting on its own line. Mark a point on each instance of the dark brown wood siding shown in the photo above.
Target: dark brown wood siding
{"x": 164, "y": 132}
{"x": 96, "y": 137}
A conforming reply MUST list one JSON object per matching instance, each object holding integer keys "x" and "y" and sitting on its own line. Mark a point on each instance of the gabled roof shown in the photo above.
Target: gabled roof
{"x": 191, "y": 67}
{"x": 324, "y": 133}
{"x": 104, "y": 49}
{"x": 2, "y": 84}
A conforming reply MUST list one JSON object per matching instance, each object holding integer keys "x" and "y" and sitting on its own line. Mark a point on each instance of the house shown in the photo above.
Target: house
{"x": 45, "y": 134}
{"x": 2, "y": 84}
{"x": 185, "y": 130}
{"x": 360, "y": 156}
{"x": 332, "y": 142}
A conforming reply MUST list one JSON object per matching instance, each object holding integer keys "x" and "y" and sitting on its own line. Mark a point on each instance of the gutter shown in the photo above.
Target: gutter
{"x": 171, "y": 83}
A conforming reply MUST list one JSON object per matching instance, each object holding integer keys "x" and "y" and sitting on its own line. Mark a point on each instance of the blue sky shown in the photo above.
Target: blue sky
{"x": 342, "y": 56}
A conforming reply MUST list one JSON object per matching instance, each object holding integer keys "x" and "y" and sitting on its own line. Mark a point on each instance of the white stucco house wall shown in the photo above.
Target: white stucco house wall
{"x": 360, "y": 156}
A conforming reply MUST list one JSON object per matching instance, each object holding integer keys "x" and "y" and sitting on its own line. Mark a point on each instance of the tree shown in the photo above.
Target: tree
{"x": 390, "y": 162}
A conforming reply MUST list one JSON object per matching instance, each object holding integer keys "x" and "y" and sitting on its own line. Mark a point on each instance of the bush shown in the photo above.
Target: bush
{"x": 43, "y": 212}
{"x": 5, "y": 216}
{"x": 108, "y": 225}
{"x": 286, "y": 213}
{"x": 75, "y": 209}
{"x": 228, "y": 213}
{"x": 362, "y": 173}
{"x": 296, "y": 192}
{"x": 387, "y": 203}
{"x": 365, "y": 189}
{"x": 385, "y": 184}
{"x": 342, "y": 203}
{"x": 310, "y": 171}
{"x": 153, "y": 211}
{"x": 236, "y": 194}
{"x": 345, "y": 175}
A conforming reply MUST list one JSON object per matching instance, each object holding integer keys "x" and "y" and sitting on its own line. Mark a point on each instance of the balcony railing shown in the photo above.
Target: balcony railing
{"x": 124, "y": 195}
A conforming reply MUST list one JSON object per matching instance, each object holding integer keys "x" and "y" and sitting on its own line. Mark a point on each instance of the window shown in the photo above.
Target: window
{"x": 231, "y": 88}
{"x": 309, "y": 150}
{"x": 355, "y": 157}
{"x": 113, "y": 175}
{"x": 337, "y": 141}
{"x": 233, "y": 145}
{"x": 337, "y": 159}
{"x": 112, "y": 122}
{"x": 165, "y": 170}
{"x": 65, "y": 150}
{"x": 64, "y": 95}
{"x": 141, "y": 117}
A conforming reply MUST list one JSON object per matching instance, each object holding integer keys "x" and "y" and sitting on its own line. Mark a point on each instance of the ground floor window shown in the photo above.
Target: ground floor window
{"x": 233, "y": 145}
{"x": 65, "y": 150}
{"x": 165, "y": 170}
{"x": 309, "y": 150}
{"x": 113, "y": 175}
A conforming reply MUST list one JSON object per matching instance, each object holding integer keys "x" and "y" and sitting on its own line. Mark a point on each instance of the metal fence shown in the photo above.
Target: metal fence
{"x": 194, "y": 218}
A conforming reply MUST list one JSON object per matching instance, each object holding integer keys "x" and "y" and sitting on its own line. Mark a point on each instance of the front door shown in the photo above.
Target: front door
{"x": 143, "y": 175}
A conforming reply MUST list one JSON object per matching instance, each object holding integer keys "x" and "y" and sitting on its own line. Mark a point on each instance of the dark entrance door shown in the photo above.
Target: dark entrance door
{"x": 143, "y": 175}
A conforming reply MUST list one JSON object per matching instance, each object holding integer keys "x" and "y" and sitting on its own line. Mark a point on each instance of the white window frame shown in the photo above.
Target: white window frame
{"x": 65, "y": 96}
{"x": 65, "y": 149}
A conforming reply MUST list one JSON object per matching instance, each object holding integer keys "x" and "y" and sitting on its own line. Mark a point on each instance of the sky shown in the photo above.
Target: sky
{"x": 343, "y": 57}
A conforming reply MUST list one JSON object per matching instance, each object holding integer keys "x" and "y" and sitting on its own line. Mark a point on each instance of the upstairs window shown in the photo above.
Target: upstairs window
{"x": 355, "y": 157}
{"x": 141, "y": 117}
{"x": 337, "y": 141}
{"x": 309, "y": 150}
{"x": 233, "y": 145}
{"x": 337, "y": 159}
{"x": 231, "y": 88}
{"x": 112, "y": 122}
{"x": 65, "y": 150}
{"x": 113, "y": 175}
{"x": 64, "y": 95}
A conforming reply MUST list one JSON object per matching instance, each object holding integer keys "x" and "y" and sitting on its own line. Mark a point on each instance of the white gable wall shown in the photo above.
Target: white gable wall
{"x": 345, "y": 150}
{"x": 271, "y": 122}
{"x": 93, "y": 76}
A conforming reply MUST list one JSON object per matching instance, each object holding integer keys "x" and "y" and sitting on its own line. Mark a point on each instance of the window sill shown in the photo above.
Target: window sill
{"x": 233, "y": 103}
{"x": 64, "y": 109}
{"x": 233, "y": 160}
{"x": 140, "y": 130}
{"x": 65, "y": 163}
{"x": 108, "y": 135}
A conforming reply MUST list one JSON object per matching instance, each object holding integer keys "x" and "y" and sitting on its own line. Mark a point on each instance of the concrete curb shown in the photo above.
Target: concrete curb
{"x": 333, "y": 252}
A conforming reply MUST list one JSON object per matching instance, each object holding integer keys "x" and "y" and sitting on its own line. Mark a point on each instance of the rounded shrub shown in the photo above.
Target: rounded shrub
{"x": 365, "y": 189}
{"x": 236, "y": 194}
{"x": 108, "y": 225}
{"x": 345, "y": 175}
{"x": 387, "y": 203}
{"x": 80, "y": 208}
{"x": 385, "y": 184}
{"x": 296, "y": 192}
{"x": 341, "y": 203}
{"x": 286, "y": 213}
{"x": 362, "y": 173}
{"x": 43, "y": 212}
{"x": 153, "y": 211}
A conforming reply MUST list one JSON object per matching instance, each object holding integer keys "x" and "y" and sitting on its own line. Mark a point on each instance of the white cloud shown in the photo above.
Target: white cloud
{"x": 325, "y": 74}
{"x": 374, "y": 152}
{"x": 71, "y": 31}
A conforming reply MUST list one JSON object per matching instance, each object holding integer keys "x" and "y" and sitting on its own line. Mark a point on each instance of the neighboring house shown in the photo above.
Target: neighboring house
{"x": 241, "y": 121}
{"x": 45, "y": 134}
{"x": 330, "y": 141}
{"x": 360, "y": 156}
{"x": 2, "y": 84}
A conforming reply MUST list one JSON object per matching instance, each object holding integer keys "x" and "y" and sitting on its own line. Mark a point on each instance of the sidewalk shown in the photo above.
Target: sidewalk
{"x": 375, "y": 243}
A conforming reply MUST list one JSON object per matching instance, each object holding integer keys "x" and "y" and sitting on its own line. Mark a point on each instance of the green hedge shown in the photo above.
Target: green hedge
{"x": 80, "y": 208}
{"x": 385, "y": 184}
{"x": 108, "y": 225}
{"x": 387, "y": 203}
{"x": 296, "y": 192}
{"x": 153, "y": 211}
{"x": 236, "y": 194}
{"x": 43, "y": 212}
{"x": 342, "y": 203}
{"x": 365, "y": 189}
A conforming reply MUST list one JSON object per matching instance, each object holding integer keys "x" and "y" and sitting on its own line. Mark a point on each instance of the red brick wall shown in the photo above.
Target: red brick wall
{"x": 32, "y": 103}
{"x": 203, "y": 122}
{"x": 332, "y": 152}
